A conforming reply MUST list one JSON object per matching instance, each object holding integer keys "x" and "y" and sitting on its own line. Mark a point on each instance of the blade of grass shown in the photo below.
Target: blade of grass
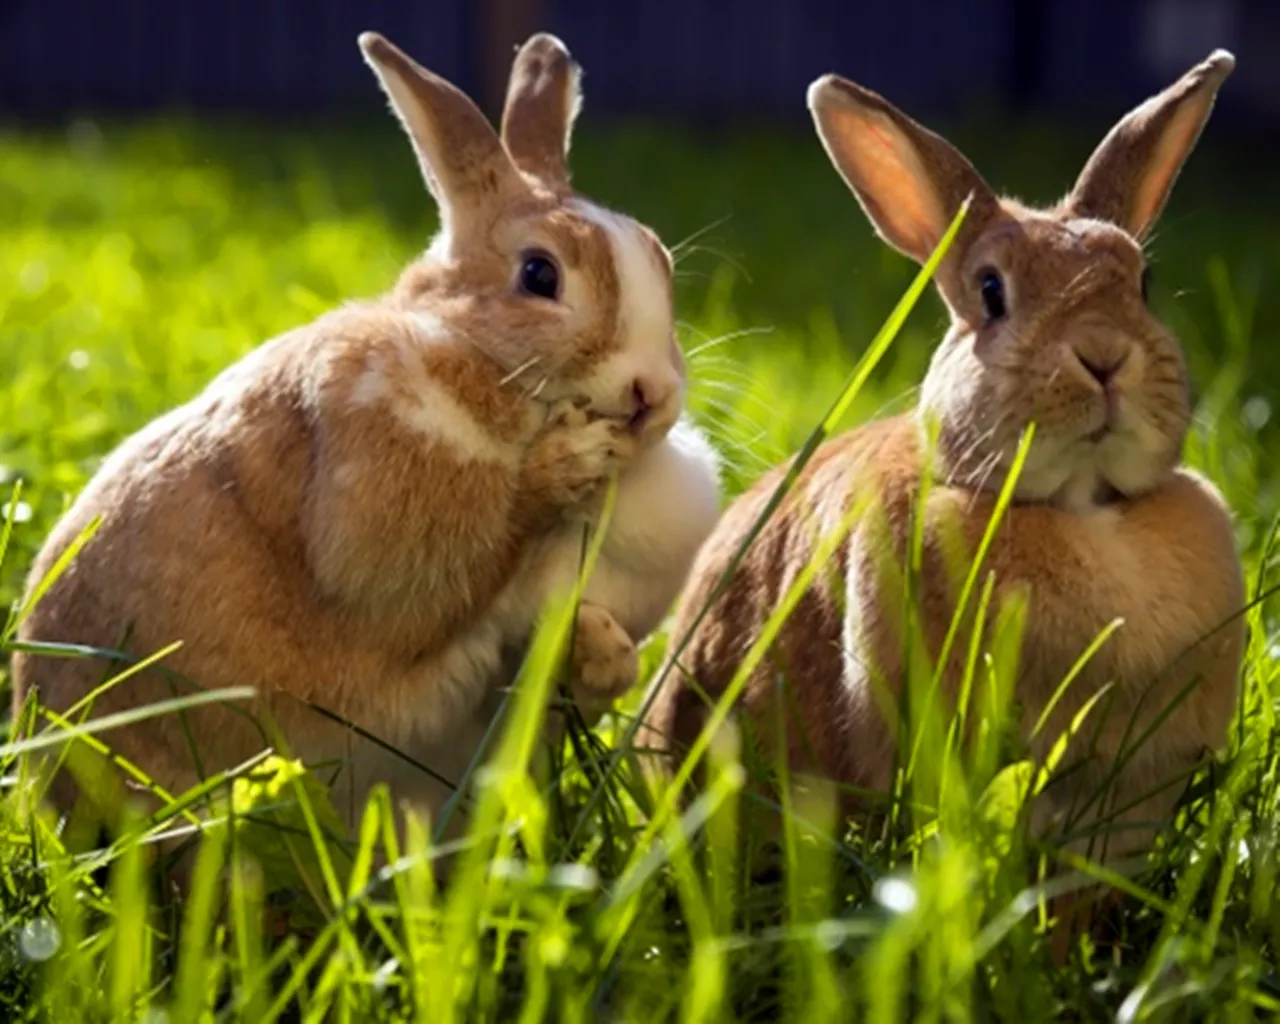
{"x": 1003, "y": 500}
{"x": 612, "y": 921}
{"x": 194, "y": 958}
{"x": 50, "y": 578}
{"x": 123, "y": 718}
{"x": 130, "y": 947}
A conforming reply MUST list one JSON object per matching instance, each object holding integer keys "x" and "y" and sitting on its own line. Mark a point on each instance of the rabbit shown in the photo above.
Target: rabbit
{"x": 1049, "y": 323}
{"x": 366, "y": 512}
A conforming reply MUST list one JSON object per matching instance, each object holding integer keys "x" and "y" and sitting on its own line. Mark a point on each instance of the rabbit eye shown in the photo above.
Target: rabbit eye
{"x": 539, "y": 276}
{"x": 1146, "y": 284}
{"x": 992, "y": 289}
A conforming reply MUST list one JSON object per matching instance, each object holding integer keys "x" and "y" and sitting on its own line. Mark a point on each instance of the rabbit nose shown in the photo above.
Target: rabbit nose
{"x": 650, "y": 393}
{"x": 640, "y": 396}
{"x": 1100, "y": 367}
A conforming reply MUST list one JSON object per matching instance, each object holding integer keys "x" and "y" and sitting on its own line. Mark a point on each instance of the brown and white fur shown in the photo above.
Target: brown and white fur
{"x": 367, "y": 511}
{"x": 1105, "y": 523}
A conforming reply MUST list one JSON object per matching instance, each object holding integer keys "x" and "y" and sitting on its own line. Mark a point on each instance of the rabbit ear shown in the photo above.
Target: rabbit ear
{"x": 1130, "y": 174}
{"x": 463, "y": 161}
{"x": 909, "y": 181}
{"x": 543, "y": 98}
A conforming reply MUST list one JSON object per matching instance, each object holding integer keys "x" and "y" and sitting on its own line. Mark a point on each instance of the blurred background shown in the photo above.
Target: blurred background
{"x": 703, "y": 58}
{"x": 181, "y": 180}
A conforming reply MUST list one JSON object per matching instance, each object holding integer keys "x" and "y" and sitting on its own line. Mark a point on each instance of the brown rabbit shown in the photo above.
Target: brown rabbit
{"x": 368, "y": 511}
{"x": 1049, "y": 323}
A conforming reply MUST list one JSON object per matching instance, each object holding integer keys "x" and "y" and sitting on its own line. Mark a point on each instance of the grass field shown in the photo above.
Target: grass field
{"x": 139, "y": 260}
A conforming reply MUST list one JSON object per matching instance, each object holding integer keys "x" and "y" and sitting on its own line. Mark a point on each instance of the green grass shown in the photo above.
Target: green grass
{"x": 138, "y": 261}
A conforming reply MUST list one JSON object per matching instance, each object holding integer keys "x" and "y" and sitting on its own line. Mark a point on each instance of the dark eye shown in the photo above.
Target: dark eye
{"x": 539, "y": 276}
{"x": 992, "y": 294}
{"x": 1146, "y": 284}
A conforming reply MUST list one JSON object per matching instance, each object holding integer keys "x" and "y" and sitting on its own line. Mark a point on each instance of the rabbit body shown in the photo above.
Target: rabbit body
{"x": 366, "y": 514}
{"x": 1164, "y": 563}
{"x": 1049, "y": 327}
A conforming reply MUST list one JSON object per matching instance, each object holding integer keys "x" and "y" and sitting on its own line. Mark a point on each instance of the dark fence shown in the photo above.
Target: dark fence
{"x": 726, "y": 58}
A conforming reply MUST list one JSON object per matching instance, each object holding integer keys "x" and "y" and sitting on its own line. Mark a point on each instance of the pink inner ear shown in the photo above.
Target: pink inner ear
{"x": 881, "y": 137}
{"x": 898, "y": 185}
{"x": 1163, "y": 167}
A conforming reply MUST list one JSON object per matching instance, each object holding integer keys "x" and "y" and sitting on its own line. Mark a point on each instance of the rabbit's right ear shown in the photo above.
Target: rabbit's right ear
{"x": 909, "y": 181}
{"x": 464, "y": 163}
{"x": 543, "y": 98}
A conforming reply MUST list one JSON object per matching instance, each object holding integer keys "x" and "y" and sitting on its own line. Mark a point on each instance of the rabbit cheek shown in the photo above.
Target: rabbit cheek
{"x": 641, "y": 377}
{"x": 972, "y": 408}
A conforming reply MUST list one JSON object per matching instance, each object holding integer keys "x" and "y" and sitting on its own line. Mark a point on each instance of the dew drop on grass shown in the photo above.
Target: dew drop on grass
{"x": 895, "y": 894}
{"x": 385, "y": 974}
{"x": 573, "y": 876}
{"x": 509, "y": 869}
{"x": 828, "y": 935}
{"x": 39, "y": 939}
{"x": 1255, "y": 413}
{"x": 21, "y": 512}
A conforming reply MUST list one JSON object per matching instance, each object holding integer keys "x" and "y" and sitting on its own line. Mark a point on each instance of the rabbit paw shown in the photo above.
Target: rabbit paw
{"x": 575, "y": 454}
{"x": 605, "y": 662}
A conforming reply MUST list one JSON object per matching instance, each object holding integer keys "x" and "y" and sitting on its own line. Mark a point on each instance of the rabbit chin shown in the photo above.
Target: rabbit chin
{"x": 1080, "y": 475}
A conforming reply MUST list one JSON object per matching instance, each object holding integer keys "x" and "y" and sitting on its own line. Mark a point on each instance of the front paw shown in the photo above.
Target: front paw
{"x": 605, "y": 662}
{"x": 575, "y": 455}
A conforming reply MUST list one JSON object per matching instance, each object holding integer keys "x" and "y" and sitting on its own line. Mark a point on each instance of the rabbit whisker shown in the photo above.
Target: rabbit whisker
{"x": 528, "y": 364}
{"x": 681, "y": 246}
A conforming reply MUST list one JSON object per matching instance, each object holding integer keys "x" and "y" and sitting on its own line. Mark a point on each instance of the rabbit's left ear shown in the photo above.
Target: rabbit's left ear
{"x": 465, "y": 165}
{"x": 1130, "y": 175}
{"x": 543, "y": 98}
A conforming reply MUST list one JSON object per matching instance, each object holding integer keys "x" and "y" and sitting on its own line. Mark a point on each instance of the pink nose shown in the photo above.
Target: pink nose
{"x": 648, "y": 393}
{"x": 640, "y": 396}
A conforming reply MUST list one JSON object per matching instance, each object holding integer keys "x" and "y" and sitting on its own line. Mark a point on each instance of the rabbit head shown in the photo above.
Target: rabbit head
{"x": 1049, "y": 315}
{"x": 571, "y": 300}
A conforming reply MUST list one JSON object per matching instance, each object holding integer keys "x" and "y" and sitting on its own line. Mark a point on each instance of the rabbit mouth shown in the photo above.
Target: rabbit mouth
{"x": 648, "y": 425}
{"x": 638, "y": 420}
{"x": 1111, "y": 414}
{"x": 651, "y": 424}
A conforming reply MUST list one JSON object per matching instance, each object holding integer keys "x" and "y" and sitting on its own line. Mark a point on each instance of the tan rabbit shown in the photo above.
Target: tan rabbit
{"x": 367, "y": 512}
{"x": 1049, "y": 323}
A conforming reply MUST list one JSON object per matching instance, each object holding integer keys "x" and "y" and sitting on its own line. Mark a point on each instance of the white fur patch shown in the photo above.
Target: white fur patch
{"x": 422, "y": 404}
{"x": 436, "y": 414}
{"x": 371, "y": 388}
{"x": 644, "y": 311}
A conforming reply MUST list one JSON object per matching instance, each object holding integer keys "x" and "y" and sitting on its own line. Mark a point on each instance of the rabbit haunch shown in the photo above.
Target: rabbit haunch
{"x": 367, "y": 512}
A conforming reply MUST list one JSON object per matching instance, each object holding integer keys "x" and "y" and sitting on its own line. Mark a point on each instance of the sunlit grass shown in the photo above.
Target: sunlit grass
{"x": 140, "y": 261}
